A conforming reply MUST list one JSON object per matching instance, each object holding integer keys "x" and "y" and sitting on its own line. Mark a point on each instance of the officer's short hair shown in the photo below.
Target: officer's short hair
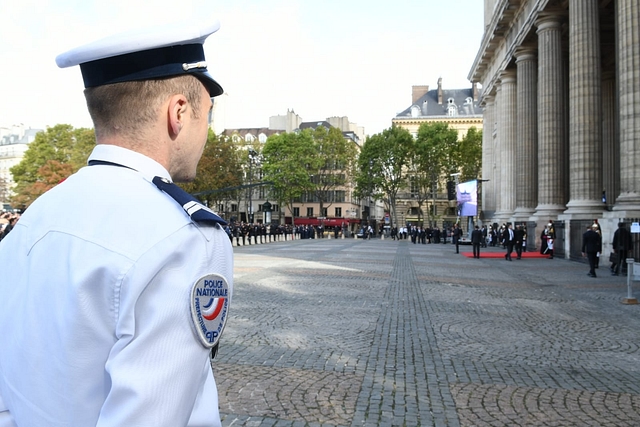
{"x": 128, "y": 107}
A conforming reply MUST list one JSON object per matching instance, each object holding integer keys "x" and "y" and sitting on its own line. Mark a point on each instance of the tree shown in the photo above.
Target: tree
{"x": 436, "y": 155}
{"x": 62, "y": 144}
{"x": 331, "y": 165}
{"x": 285, "y": 160}
{"x": 470, "y": 149}
{"x": 382, "y": 166}
{"x": 219, "y": 169}
{"x": 51, "y": 174}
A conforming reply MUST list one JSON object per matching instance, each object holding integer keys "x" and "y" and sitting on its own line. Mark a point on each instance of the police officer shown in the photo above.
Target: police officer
{"x": 119, "y": 314}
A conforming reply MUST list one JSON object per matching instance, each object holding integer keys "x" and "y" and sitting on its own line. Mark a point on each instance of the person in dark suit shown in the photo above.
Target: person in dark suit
{"x": 591, "y": 245}
{"x": 621, "y": 246}
{"x": 456, "y": 235}
{"x": 483, "y": 230}
{"x": 476, "y": 241}
{"x": 518, "y": 240}
{"x": 508, "y": 239}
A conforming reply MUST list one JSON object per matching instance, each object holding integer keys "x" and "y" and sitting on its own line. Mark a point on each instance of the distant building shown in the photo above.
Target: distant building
{"x": 250, "y": 135}
{"x": 287, "y": 123}
{"x": 14, "y": 141}
{"x": 460, "y": 109}
{"x": 345, "y": 208}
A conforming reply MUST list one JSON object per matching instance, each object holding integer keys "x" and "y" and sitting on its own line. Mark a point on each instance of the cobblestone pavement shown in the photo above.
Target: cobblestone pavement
{"x": 387, "y": 333}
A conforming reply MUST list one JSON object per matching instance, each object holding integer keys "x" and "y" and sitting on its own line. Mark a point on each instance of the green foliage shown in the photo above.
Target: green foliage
{"x": 331, "y": 164}
{"x": 470, "y": 149}
{"x": 382, "y": 165}
{"x": 285, "y": 160}
{"x": 435, "y": 156}
{"x": 437, "y": 149}
{"x": 66, "y": 147}
{"x": 219, "y": 168}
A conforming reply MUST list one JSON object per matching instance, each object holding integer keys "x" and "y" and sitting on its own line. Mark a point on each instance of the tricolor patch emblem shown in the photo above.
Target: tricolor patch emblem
{"x": 209, "y": 308}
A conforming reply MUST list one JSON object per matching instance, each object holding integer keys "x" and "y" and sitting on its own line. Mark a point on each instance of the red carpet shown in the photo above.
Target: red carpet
{"x": 493, "y": 254}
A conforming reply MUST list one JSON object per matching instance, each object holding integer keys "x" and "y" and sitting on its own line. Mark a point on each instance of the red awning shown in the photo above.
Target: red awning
{"x": 327, "y": 222}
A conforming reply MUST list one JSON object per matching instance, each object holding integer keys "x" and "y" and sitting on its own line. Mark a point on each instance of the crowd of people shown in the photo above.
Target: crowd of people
{"x": 419, "y": 234}
{"x": 7, "y": 222}
{"x": 244, "y": 233}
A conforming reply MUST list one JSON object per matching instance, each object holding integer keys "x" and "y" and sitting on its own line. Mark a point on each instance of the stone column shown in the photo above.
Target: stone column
{"x": 551, "y": 150}
{"x": 610, "y": 146}
{"x": 585, "y": 105}
{"x": 527, "y": 134}
{"x": 508, "y": 134}
{"x": 488, "y": 162}
{"x": 497, "y": 149}
{"x": 628, "y": 77}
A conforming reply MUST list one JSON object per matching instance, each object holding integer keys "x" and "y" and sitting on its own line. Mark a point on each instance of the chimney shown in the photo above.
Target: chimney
{"x": 440, "y": 91}
{"x": 417, "y": 92}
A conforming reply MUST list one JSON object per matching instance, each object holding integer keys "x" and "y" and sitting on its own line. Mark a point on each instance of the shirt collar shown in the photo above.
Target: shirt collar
{"x": 131, "y": 159}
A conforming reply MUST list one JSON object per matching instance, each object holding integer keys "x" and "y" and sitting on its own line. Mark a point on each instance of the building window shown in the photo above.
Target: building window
{"x": 275, "y": 208}
{"x": 452, "y": 111}
{"x": 310, "y": 211}
{"x": 296, "y": 212}
{"x": 324, "y": 212}
{"x": 234, "y": 207}
{"x": 338, "y": 212}
{"x": 414, "y": 188}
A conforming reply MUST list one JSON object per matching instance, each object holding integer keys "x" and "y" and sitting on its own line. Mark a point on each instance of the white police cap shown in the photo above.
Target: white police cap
{"x": 144, "y": 54}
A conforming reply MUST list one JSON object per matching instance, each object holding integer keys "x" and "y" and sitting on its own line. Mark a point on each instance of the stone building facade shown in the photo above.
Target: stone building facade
{"x": 460, "y": 110}
{"x": 345, "y": 209}
{"x": 561, "y": 97}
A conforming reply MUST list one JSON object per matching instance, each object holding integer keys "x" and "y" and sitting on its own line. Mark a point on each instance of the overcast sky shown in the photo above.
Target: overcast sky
{"x": 323, "y": 58}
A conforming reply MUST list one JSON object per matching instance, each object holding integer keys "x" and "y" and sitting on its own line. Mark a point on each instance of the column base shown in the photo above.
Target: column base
{"x": 523, "y": 214}
{"x": 584, "y": 209}
{"x": 546, "y": 212}
{"x": 502, "y": 217}
{"x": 627, "y": 201}
{"x": 609, "y": 225}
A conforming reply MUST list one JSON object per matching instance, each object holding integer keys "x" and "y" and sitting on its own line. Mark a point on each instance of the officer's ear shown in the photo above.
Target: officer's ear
{"x": 177, "y": 111}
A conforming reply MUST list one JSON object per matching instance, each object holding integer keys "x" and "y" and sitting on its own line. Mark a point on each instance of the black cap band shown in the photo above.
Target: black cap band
{"x": 150, "y": 64}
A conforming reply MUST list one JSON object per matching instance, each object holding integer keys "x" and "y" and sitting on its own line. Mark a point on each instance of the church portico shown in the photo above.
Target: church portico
{"x": 575, "y": 153}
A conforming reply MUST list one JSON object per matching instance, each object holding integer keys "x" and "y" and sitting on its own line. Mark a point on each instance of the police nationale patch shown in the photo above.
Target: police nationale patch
{"x": 209, "y": 308}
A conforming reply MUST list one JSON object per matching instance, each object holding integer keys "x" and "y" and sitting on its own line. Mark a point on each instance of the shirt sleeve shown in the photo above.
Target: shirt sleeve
{"x": 157, "y": 367}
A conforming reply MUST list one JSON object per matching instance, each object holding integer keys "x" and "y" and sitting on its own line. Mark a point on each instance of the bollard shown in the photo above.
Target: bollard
{"x": 629, "y": 299}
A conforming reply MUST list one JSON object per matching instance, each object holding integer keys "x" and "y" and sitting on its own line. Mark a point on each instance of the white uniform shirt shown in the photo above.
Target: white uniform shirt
{"x": 95, "y": 322}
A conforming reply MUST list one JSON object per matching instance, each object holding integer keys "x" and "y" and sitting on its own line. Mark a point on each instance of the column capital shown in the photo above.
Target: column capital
{"x": 488, "y": 99}
{"x": 526, "y": 53}
{"x": 550, "y": 19}
{"x": 508, "y": 76}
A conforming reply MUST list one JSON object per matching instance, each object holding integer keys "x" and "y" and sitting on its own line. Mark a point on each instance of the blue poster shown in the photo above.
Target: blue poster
{"x": 467, "y": 196}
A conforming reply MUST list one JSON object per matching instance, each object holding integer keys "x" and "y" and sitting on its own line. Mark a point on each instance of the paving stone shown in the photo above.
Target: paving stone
{"x": 384, "y": 333}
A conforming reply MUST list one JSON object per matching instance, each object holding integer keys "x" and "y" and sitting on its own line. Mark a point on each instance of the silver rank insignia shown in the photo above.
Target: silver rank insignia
{"x": 210, "y": 307}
